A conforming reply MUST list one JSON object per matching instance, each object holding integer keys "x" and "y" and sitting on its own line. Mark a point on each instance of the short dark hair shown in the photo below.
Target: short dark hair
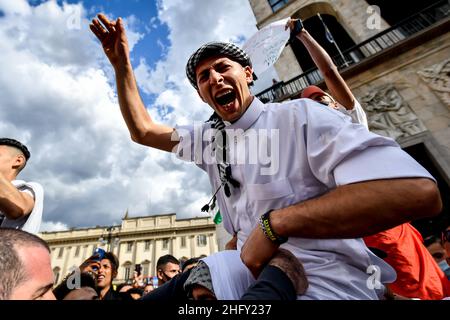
{"x": 163, "y": 260}
{"x": 190, "y": 261}
{"x": 12, "y": 270}
{"x": 16, "y": 144}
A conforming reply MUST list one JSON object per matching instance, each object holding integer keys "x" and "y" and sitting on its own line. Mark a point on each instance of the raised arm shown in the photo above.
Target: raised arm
{"x": 335, "y": 83}
{"x": 142, "y": 128}
{"x": 13, "y": 203}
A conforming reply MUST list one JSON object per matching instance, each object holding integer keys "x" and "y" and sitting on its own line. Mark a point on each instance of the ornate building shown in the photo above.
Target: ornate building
{"x": 396, "y": 63}
{"x": 139, "y": 240}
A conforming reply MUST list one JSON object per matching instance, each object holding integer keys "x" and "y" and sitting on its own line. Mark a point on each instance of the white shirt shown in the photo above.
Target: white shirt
{"x": 319, "y": 149}
{"x": 357, "y": 113}
{"x": 32, "y": 222}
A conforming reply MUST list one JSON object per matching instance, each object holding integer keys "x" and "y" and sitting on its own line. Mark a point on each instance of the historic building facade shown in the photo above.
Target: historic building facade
{"x": 139, "y": 240}
{"x": 396, "y": 62}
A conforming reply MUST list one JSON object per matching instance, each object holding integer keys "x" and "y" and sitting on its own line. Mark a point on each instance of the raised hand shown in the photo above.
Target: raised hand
{"x": 113, "y": 38}
{"x": 90, "y": 265}
{"x": 295, "y": 26}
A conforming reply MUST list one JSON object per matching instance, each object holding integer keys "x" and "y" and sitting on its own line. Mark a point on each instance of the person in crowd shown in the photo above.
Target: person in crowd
{"x": 329, "y": 182}
{"x": 21, "y": 203}
{"x": 148, "y": 288}
{"x": 341, "y": 97}
{"x": 446, "y": 243}
{"x": 136, "y": 293}
{"x": 417, "y": 275}
{"x": 25, "y": 267}
{"x": 167, "y": 267}
{"x": 436, "y": 248}
{"x": 106, "y": 270}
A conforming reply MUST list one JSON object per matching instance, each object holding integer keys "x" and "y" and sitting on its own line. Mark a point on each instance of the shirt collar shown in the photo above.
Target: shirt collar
{"x": 249, "y": 117}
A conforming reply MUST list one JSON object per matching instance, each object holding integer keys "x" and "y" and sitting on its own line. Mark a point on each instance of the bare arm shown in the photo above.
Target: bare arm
{"x": 141, "y": 126}
{"x": 13, "y": 203}
{"x": 359, "y": 209}
{"x": 335, "y": 83}
{"x": 349, "y": 211}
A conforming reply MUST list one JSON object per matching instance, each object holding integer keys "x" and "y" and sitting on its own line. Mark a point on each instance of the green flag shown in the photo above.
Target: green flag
{"x": 218, "y": 217}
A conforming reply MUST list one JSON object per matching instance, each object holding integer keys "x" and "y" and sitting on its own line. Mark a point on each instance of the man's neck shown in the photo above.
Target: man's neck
{"x": 246, "y": 108}
{"x": 10, "y": 176}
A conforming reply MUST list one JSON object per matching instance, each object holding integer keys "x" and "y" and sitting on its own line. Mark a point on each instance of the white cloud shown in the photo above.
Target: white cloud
{"x": 48, "y": 226}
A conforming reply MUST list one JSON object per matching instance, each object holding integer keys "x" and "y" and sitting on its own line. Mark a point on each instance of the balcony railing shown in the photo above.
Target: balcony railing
{"x": 366, "y": 49}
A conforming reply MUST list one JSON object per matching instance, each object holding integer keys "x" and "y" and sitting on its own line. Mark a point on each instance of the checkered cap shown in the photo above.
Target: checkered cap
{"x": 199, "y": 275}
{"x": 211, "y": 49}
{"x": 16, "y": 144}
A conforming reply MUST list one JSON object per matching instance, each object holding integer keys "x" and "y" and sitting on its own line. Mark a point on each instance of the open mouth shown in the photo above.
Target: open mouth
{"x": 226, "y": 97}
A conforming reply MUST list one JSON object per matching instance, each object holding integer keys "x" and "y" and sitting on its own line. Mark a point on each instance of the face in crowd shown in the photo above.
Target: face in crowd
{"x": 106, "y": 274}
{"x": 39, "y": 275}
{"x": 224, "y": 85}
{"x": 10, "y": 159}
{"x": 167, "y": 272}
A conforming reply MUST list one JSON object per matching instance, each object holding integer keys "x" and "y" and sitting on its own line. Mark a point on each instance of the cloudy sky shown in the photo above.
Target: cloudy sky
{"x": 58, "y": 97}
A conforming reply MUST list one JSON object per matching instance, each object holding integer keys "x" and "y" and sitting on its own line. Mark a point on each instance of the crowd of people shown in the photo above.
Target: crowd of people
{"x": 335, "y": 200}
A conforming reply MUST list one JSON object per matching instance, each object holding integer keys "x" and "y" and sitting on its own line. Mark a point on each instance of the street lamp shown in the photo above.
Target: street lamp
{"x": 108, "y": 241}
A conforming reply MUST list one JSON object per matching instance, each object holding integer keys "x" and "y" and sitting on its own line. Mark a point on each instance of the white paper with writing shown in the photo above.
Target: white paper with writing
{"x": 265, "y": 46}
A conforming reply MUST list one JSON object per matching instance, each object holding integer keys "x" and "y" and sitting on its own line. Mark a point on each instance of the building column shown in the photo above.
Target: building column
{"x": 153, "y": 262}
{"x": 211, "y": 243}
{"x": 133, "y": 256}
{"x": 65, "y": 260}
{"x": 192, "y": 245}
{"x": 173, "y": 247}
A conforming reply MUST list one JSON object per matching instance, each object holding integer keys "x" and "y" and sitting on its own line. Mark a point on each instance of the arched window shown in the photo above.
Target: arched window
{"x": 145, "y": 268}
{"x": 317, "y": 30}
{"x": 127, "y": 270}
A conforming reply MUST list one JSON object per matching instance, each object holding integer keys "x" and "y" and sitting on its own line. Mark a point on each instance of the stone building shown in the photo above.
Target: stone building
{"x": 138, "y": 240}
{"x": 396, "y": 62}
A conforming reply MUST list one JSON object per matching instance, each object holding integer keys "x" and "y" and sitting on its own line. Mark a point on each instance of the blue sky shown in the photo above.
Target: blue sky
{"x": 59, "y": 98}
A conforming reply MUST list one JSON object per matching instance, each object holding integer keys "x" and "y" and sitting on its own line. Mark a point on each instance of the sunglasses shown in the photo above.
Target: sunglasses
{"x": 446, "y": 236}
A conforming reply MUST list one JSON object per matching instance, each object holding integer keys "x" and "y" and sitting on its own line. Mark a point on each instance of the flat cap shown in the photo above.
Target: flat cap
{"x": 211, "y": 49}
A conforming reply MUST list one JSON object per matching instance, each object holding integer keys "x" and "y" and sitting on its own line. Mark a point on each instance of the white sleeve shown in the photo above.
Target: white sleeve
{"x": 32, "y": 222}
{"x": 191, "y": 146}
{"x": 340, "y": 152}
{"x": 357, "y": 114}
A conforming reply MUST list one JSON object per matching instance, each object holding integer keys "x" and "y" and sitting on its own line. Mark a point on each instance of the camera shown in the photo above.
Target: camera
{"x": 99, "y": 255}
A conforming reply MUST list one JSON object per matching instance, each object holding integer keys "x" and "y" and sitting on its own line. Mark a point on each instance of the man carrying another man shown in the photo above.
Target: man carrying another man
{"x": 334, "y": 181}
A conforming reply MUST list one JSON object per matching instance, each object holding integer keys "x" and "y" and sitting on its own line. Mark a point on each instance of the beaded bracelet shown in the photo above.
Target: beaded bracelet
{"x": 264, "y": 223}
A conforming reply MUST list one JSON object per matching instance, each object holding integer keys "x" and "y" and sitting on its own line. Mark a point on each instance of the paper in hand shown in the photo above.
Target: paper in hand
{"x": 266, "y": 45}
